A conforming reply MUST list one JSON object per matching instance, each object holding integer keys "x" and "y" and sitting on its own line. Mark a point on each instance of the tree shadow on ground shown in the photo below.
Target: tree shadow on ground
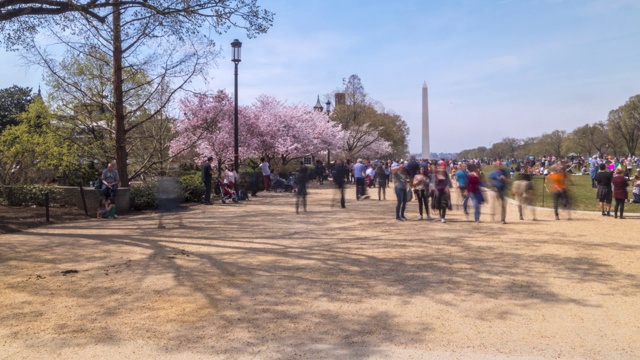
{"x": 242, "y": 277}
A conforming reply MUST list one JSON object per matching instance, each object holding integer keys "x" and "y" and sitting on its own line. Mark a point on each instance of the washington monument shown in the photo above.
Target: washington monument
{"x": 426, "y": 149}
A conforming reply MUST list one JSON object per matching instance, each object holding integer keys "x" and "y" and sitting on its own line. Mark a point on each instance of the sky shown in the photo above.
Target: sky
{"x": 494, "y": 68}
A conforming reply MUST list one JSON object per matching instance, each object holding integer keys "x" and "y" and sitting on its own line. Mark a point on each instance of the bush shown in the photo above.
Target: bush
{"x": 27, "y": 195}
{"x": 143, "y": 197}
{"x": 191, "y": 187}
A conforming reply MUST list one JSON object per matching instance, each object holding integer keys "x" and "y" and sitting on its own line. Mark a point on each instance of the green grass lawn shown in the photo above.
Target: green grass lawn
{"x": 582, "y": 195}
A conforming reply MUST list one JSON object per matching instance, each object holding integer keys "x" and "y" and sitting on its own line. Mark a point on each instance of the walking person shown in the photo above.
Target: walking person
{"x": 319, "y": 172}
{"x": 340, "y": 173}
{"x": 301, "y": 193}
{"x": 381, "y": 178}
{"x": 462, "y": 176}
{"x": 359, "y": 174}
{"x": 400, "y": 179}
{"x": 206, "y": 179}
{"x": 420, "y": 190}
{"x": 620, "y": 184}
{"x": 499, "y": 181}
{"x": 442, "y": 198}
{"x": 523, "y": 191}
{"x": 475, "y": 192}
{"x": 557, "y": 184}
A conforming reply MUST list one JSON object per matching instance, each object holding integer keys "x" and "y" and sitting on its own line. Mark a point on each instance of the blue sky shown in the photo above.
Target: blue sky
{"x": 494, "y": 69}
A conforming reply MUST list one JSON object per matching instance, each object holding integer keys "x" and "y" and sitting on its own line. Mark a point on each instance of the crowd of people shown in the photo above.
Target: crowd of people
{"x": 431, "y": 183}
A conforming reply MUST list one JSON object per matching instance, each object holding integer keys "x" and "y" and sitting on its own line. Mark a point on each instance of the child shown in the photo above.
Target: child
{"x": 106, "y": 209}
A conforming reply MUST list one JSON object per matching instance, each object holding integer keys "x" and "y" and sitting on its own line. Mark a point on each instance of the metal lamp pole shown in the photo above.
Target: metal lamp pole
{"x": 236, "y": 45}
{"x": 328, "y": 104}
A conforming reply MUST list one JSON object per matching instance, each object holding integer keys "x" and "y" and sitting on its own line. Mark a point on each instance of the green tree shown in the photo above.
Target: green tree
{"x": 368, "y": 123}
{"x": 624, "y": 125}
{"x": 13, "y": 101}
{"x": 552, "y": 143}
{"x": 36, "y": 149}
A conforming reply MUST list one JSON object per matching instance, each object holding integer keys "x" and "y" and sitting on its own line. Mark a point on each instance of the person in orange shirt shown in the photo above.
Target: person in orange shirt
{"x": 557, "y": 185}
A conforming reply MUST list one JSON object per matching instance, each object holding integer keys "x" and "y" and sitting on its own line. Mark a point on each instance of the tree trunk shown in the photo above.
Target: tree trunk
{"x": 118, "y": 106}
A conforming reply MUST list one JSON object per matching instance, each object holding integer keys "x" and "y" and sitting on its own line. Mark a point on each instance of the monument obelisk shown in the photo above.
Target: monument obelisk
{"x": 426, "y": 149}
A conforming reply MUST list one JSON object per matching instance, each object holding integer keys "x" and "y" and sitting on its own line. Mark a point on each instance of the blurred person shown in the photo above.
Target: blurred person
{"x": 498, "y": 179}
{"x": 420, "y": 190}
{"x": 593, "y": 170}
{"x": 604, "y": 195}
{"x": 401, "y": 179}
{"x": 442, "y": 185}
{"x": 359, "y": 176}
{"x": 461, "y": 177}
{"x": 557, "y": 185}
{"x": 276, "y": 181}
{"x": 301, "y": 193}
{"x": 319, "y": 172}
{"x": 620, "y": 194}
{"x": 370, "y": 175}
{"x": 523, "y": 191}
{"x": 340, "y": 174}
{"x": 475, "y": 191}
{"x": 380, "y": 176}
{"x": 168, "y": 194}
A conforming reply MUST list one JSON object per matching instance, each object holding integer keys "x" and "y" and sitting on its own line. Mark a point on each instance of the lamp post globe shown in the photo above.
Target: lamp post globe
{"x": 236, "y": 46}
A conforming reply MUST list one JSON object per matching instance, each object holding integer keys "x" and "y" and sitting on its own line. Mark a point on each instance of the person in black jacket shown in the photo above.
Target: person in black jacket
{"x": 206, "y": 179}
{"x": 340, "y": 172}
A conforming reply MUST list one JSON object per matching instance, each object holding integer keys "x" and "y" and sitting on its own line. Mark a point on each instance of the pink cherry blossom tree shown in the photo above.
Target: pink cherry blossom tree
{"x": 291, "y": 131}
{"x": 269, "y": 128}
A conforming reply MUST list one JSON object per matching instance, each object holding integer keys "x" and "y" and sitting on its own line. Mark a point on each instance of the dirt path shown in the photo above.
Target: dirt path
{"x": 256, "y": 281}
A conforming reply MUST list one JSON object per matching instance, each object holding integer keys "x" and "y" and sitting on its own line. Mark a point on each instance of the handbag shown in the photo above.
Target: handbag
{"x": 409, "y": 195}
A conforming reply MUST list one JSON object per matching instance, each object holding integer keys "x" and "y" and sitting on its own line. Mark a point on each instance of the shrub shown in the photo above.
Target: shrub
{"x": 191, "y": 187}
{"x": 143, "y": 197}
{"x": 26, "y": 195}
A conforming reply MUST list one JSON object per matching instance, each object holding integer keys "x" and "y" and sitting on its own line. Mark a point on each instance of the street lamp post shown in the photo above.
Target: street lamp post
{"x": 236, "y": 45}
{"x": 328, "y": 104}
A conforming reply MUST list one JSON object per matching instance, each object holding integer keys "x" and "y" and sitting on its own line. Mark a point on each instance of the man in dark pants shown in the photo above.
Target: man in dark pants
{"x": 110, "y": 180}
{"x": 340, "y": 172}
{"x": 358, "y": 174}
{"x": 206, "y": 179}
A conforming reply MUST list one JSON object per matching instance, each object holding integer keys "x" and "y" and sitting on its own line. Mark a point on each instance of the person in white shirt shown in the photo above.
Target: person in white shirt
{"x": 264, "y": 166}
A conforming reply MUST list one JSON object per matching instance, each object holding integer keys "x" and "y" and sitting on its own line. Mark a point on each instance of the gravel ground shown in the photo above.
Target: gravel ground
{"x": 257, "y": 281}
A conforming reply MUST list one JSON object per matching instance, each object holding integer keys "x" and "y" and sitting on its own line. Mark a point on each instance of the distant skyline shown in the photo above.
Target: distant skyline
{"x": 494, "y": 69}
